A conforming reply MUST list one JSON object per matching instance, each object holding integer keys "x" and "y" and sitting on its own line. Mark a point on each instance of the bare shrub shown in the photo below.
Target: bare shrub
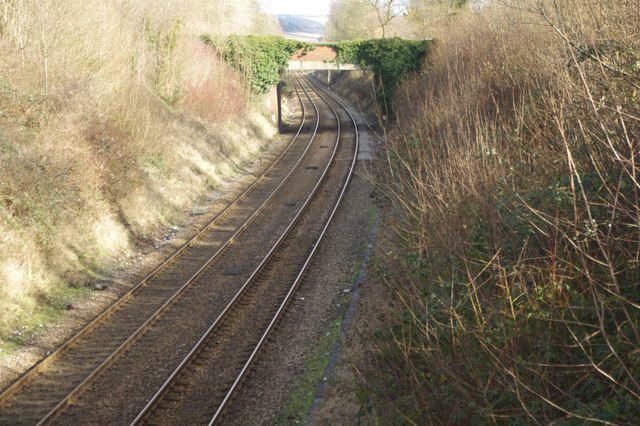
{"x": 212, "y": 89}
{"x": 514, "y": 178}
{"x": 99, "y": 101}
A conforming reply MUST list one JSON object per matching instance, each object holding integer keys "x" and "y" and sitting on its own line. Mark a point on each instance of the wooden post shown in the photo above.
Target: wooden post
{"x": 279, "y": 100}
{"x": 274, "y": 104}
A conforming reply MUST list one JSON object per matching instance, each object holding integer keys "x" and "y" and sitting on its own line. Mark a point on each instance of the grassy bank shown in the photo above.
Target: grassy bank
{"x": 115, "y": 118}
{"x": 514, "y": 184}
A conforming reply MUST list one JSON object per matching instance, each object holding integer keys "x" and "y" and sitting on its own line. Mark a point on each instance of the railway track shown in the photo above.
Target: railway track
{"x": 202, "y": 387}
{"x": 101, "y": 353}
{"x": 45, "y": 389}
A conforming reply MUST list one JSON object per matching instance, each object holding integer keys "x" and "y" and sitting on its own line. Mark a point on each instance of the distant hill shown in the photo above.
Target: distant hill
{"x": 300, "y": 24}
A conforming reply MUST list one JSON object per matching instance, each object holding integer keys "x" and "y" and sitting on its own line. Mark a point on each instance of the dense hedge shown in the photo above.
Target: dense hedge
{"x": 261, "y": 59}
{"x": 391, "y": 59}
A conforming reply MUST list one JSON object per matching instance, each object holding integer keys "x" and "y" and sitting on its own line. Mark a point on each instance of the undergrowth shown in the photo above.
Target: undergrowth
{"x": 113, "y": 121}
{"x": 514, "y": 181}
{"x": 304, "y": 390}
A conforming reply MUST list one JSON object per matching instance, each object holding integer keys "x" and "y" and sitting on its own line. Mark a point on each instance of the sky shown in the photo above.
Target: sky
{"x": 297, "y": 7}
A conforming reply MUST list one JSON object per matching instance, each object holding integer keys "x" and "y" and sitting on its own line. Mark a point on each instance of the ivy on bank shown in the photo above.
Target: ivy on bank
{"x": 391, "y": 59}
{"x": 261, "y": 59}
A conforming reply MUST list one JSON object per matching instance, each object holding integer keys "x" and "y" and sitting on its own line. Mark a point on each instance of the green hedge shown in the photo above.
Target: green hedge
{"x": 391, "y": 59}
{"x": 261, "y": 59}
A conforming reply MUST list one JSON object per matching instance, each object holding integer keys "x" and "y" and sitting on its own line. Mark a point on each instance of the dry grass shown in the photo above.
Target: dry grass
{"x": 212, "y": 89}
{"x": 114, "y": 119}
{"x": 514, "y": 182}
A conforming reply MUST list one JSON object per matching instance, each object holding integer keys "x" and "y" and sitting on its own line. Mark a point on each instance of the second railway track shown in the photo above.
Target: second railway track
{"x": 147, "y": 353}
{"x": 205, "y": 382}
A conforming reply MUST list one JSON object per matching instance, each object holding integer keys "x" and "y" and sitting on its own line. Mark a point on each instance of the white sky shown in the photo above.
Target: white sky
{"x": 297, "y": 7}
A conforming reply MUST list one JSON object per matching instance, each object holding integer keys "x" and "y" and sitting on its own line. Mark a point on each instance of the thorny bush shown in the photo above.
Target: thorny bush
{"x": 514, "y": 178}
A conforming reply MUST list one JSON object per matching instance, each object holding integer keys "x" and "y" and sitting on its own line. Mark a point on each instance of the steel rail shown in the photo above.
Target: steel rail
{"x": 223, "y": 315}
{"x": 144, "y": 327}
{"x": 42, "y": 365}
{"x": 146, "y": 412}
{"x": 298, "y": 279}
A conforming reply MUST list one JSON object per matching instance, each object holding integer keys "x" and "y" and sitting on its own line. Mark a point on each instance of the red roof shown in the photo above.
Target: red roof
{"x": 320, "y": 53}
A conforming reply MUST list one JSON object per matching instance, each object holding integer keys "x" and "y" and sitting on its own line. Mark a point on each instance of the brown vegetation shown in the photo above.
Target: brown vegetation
{"x": 114, "y": 119}
{"x": 364, "y": 19}
{"x": 514, "y": 182}
{"x": 410, "y": 19}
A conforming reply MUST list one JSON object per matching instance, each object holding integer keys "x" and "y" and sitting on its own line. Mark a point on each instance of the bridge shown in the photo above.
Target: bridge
{"x": 320, "y": 58}
{"x": 389, "y": 58}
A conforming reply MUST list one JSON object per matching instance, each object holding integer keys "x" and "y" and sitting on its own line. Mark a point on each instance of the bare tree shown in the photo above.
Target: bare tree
{"x": 386, "y": 10}
{"x": 350, "y": 20}
{"x": 427, "y": 15}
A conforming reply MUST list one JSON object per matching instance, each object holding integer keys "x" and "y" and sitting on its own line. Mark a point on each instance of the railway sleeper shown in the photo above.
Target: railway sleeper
{"x": 68, "y": 368}
{"x": 46, "y": 384}
{"x": 105, "y": 337}
{"x": 224, "y": 329}
{"x": 44, "y": 404}
{"x": 162, "y": 408}
{"x": 116, "y": 336}
{"x": 152, "y": 301}
{"x": 52, "y": 379}
{"x": 155, "y": 422}
{"x": 87, "y": 362}
{"x": 201, "y": 362}
{"x": 93, "y": 355}
{"x": 173, "y": 399}
{"x": 191, "y": 368}
{"x": 120, "y": 327}
{"x": 216, "y": 400}
{"x": 126, "y": 327}
{"x": 205, "y": 356}
{"x": 126, "y": 320}
{"x": 244, "y": 355}
{"x": 83, "y": 363}
{"x": 21, "y": 418}
{"x": 282, "y": 295}
{"x": 86, "y": 347}
{"x": 53, "y": 376}
{"x": 41, "y": 395}
{"x": 175, "y": 394}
